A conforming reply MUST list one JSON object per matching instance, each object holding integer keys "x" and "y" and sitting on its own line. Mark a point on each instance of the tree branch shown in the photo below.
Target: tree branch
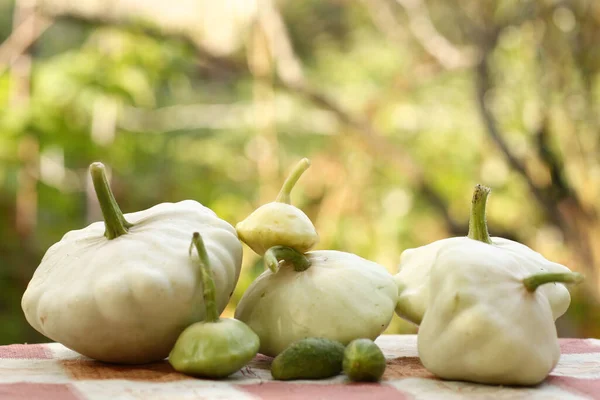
{"x": 21, "y": 39}
{"x": 294, "y": 83}
{"x": 291, "y": 78}
{"x": 483, "y": 85}
{"x": 559, "y": 188}
{"x": 383, "y": 17}
{"x": 441, "y": 49}
{"x": 289, "y": 67}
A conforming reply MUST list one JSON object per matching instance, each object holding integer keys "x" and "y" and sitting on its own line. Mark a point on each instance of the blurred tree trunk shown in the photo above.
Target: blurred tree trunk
{"x": 26, "y": 202}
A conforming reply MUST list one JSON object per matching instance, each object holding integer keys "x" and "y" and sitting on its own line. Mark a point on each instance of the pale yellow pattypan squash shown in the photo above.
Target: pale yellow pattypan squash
{"x": 488, "y": 319}
{"x": 123, "y": 290}
{"x": 415, "y": 264}
{"x": 279, "y": 222}
{"x": 327, "y": 294}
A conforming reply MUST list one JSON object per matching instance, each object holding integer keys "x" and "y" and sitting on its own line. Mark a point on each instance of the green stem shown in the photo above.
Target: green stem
{"x": 114, "y": 221}
{"x": 534, "y": 281}
{"x": 276, "y": 254}
{"x": 477, "y": 223}
{"x": 208, "y": 282}
{"x": 290, "y": 182}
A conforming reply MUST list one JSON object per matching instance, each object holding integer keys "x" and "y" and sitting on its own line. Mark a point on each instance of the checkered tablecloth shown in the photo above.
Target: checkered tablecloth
{"x": 51, "y": 371}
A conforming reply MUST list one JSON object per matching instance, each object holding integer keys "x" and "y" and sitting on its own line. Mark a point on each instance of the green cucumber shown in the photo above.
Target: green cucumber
{"x": 311, "y": 358}
{"x": 363, "y": 361}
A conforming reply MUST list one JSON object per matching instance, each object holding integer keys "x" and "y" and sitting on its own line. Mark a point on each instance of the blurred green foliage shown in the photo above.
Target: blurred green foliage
{"x": 173, "y": 122}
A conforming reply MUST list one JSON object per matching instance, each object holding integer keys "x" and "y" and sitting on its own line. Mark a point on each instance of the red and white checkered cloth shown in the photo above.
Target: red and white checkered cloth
{"x": 51, "y": 372}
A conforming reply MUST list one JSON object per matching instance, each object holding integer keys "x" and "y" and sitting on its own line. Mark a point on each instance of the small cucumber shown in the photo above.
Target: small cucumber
{"x": 363, "y": 361}
{"x": 311, "y": 358}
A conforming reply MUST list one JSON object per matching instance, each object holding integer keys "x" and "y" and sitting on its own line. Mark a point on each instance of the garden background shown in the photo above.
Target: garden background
{"x": 401, "y": 105}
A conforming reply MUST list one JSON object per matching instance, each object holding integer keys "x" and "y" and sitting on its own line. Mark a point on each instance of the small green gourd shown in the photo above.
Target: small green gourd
{"x": 279, "y": 222}
{"x": 310, "y": 358}
{"x": 363, "y": 361}
{"x": 215, "y": 347}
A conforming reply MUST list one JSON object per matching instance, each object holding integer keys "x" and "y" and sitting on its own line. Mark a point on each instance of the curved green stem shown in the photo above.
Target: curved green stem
{"x": 114, "y": 221}
{"x": 534, "y": 281}
{"x": 477, "y": 223}
{"x": 276, "y": 254}
{"x": 290, "y": 182}
{"x": 208, "y": 282}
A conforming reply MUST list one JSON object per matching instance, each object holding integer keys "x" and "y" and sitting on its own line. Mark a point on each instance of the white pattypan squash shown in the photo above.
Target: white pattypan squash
{"x": 488, "y": 319}
{"x": 328, "y": 294}
{"x": 279, "y": 223}
{"x": 123, "y": 290}
{"x": 415, "y": 264}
